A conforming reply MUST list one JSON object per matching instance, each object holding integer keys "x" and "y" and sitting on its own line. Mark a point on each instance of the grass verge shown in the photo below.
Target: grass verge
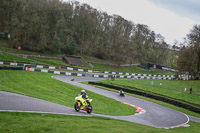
{"x": 40, "y": 123}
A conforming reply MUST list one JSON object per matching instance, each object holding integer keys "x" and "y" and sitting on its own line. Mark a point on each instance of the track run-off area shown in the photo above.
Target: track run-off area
{"x": 149, "y": 113}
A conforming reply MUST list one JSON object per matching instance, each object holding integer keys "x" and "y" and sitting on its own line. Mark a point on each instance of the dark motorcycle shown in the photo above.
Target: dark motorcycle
{"x": 121, "y": 93}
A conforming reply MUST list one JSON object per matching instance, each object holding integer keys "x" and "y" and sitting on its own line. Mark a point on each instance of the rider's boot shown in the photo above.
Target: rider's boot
{"x": 79, "y": 104}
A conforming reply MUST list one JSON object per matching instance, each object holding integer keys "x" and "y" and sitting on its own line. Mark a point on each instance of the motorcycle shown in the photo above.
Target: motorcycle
{"x": 121, "y": 93}
{"x": 85, "y": 104}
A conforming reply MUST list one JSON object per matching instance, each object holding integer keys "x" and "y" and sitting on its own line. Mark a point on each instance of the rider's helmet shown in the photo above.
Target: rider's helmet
{"x": 82, "y": 92}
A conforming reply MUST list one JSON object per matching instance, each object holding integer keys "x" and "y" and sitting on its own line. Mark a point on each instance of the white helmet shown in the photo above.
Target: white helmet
{"x": 82, "y": 91}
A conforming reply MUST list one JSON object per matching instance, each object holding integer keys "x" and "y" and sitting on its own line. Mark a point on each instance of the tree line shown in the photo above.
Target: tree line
{"x": 78, "y": 29}
{"x": 74, "y": 28}
{"x": 189, "y": 56}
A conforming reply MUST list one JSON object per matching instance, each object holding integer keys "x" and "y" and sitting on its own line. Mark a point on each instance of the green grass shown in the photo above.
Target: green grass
{"x": 104, "y": 67}
{"x": 97, "y": 60}
{"x": 40, "y": 123}
{"x": 169, "y": 88}
{"x": 42, "y": 86}
{"x": 93, "y": 59}
{"x": 42, "y": 61}
{"x": 15, "y": 50}
{"x": 128, "y": 69}
{"x": 8, "y": 57}
{"x": 48, "y": 62}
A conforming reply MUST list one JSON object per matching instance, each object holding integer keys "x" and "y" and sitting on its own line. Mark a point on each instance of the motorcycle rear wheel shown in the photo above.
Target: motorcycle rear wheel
{"x": 89, "y": 109}
{"x": 122, "y": 95}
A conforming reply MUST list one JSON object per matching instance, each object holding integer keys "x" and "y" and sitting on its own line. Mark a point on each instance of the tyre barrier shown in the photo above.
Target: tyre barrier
{"x": 10, "y": 68}
{"x": 159, "y": 98}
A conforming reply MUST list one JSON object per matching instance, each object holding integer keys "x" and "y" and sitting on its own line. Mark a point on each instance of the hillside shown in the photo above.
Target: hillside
{"x": 79, "y": 29}
{"x": 92, "y": 62}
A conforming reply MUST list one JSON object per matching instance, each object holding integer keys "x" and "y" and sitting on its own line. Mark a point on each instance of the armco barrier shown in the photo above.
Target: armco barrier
{"x": 117, "y": 74}
{"x": 55, "y": 72}
{"x": 132, "y": 77}
{"x": 93, "y": 71}
{"x": 173, "y": 102}
{"x": 135, "y": 74}
{"x": 48, "y": 67}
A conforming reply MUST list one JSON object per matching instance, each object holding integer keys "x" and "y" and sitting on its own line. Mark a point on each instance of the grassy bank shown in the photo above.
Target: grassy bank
{"x": 12, "y": 58}
{"x": 93, "y": 66}
{"x": 26, "y": 52}
{"x": 49, "y": 62}
{"x": 40, "y": 123}
{"x": 128, "y": 69}
{"x": 41, "y": 85}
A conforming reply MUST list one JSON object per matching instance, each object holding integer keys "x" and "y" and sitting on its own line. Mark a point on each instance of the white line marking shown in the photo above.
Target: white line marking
{"x": 42, "y": 112}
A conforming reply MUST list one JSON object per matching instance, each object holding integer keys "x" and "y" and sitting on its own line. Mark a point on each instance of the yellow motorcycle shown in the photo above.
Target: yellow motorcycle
{"x": 83, "y": 104}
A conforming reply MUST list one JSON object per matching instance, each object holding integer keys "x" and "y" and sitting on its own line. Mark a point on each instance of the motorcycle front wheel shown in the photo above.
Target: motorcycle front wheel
{"x": 76, "y": 107}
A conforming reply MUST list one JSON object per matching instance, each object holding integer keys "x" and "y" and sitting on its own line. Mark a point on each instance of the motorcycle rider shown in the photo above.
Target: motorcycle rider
{"x": 121, "y": 93}
{"x": 84, "y": 96}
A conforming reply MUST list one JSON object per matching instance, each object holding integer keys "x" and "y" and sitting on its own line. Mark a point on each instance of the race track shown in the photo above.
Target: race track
{"x": 155, "y": 115}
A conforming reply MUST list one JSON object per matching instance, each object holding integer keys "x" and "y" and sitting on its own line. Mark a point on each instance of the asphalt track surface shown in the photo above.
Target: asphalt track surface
{"x": 156, "y": 115}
